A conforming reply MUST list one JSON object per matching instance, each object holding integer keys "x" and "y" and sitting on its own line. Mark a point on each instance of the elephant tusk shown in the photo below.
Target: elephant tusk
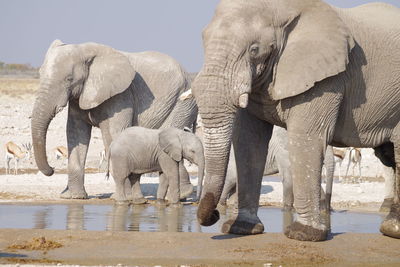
{"x": 186, "y": 95}
{"x": 244, "y": 100}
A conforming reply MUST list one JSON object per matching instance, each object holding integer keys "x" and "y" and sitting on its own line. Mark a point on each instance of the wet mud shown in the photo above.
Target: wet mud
{"x": 149, "y": 236}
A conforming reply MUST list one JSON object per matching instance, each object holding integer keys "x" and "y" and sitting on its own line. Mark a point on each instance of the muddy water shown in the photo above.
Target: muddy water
{"x": 148, "y": 218}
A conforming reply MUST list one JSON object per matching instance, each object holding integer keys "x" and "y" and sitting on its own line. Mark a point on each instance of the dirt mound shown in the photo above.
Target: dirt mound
{"x": 39, "y": 243}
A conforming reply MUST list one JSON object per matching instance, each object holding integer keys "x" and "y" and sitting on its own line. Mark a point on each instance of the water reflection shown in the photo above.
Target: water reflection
{"x": 148, "y": 218}
{"x": 40, "y": 218}
{"x": 75, "y": 217}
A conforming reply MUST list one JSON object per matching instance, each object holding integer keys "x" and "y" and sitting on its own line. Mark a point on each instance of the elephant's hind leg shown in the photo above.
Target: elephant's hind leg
{"x": 391, "y": 225}
{"x": 251, "y": 137}
{"x": 120, "y": 196}
{"x": 137, "y": 197}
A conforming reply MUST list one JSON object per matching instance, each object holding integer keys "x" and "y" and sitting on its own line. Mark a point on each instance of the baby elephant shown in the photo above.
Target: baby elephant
{"x": 139, "y": 150}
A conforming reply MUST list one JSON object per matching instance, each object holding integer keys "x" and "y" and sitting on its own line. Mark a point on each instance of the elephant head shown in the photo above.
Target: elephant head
{"x": 262, "y": 50}
{"x": 88, "y": 73}
{"x": 180, "y": 144}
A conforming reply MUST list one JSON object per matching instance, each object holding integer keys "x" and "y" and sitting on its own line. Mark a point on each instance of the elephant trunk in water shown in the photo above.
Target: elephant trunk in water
{"x": 217, "y": 119}
{"x": 42, "y": 114}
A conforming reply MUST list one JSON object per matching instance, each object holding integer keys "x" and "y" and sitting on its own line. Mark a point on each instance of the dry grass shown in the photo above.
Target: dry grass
{"x": 18, "y": 88}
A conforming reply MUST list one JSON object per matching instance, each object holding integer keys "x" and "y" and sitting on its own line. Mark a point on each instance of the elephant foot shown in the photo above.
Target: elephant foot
{"x": 122, "y": 202}
{"x": 387, "y": 203}
{"x": 161, "y": 202}
{"x": 139, "y": 201}
{"x": 391, "y": 225}
{"x": 243, "y": 225}
{"x": 304, "y": 232}
{"x": 185, "y": 190}
{"x": 68, "y": 194}
{"x": 175, "y": 205}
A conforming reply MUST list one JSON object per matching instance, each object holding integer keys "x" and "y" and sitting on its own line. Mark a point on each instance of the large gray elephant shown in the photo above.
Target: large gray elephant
{"x": 327, "y": 75}
{"x": 139, "y": 150}
{"x": 278, "y": 162}
{"x": 111, "y": 90}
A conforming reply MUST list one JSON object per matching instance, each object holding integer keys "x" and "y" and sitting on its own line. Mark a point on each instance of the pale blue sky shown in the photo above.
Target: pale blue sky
{"x": 27, "y": 27}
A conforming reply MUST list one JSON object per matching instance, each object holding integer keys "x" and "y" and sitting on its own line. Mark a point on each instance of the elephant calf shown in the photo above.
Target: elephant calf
{"x": 139, "y": 150}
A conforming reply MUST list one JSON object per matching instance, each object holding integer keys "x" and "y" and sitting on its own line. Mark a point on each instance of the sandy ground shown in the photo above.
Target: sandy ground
{"x": 193, "y": 249}
{"x": 167, "y": 249}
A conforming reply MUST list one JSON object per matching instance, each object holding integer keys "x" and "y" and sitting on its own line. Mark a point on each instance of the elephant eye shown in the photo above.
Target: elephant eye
{"x": 253, "y": 50}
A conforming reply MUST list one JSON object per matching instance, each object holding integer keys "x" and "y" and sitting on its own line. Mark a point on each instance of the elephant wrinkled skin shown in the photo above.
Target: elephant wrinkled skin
{"x": 327, "y": 75}
{"x": 108, "y": 89}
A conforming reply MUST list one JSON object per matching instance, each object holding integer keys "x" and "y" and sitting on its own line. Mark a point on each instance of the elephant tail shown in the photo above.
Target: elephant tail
{"x": 108, "y": 164}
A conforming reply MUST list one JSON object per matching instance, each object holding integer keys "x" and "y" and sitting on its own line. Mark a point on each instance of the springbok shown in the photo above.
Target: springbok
{"x": 102, "y": 158}
{"x": 339, "y": 154}
{"x": 61, "y": 152}
{"x": 355, "y": 158}
{"x": 61, "y": 155}
{"x": 13, "y": 151}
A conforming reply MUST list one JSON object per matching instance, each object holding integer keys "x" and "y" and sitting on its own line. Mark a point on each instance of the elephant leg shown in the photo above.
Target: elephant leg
{"x": 250, "y": 140}
{"x": 170, "y": 169}
{"x": 306, "y": 156}
{"x": 120, "y": 196}
{"x": 78, "y": 138}
{"x": 128, "y": 187}
{"x": 287, "y": 183}
{"x": 329, "y": 164}
{"x": 162, "y": 189}
{"x": 288, "y": 198}
{"x": 389, "y": 176}
{"x": 136, "y": 191}
{"x": 391, "y": 225}
{"x": 229, "y": 189}
{"x": 186, "y": 187}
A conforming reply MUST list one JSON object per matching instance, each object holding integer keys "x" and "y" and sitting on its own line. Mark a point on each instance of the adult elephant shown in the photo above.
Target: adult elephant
{"x": 278, "y": 162}
{"x": 327, "y": 75}
{"x": 111, "y": 90}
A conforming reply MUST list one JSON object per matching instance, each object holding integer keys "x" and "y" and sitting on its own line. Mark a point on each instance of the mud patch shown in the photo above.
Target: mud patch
{"x": 30, "y": 261}
{"x": 38, "y": 243}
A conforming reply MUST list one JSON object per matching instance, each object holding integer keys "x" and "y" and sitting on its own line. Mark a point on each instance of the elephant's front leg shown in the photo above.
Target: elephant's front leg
{"x": 186, "y": 187}
{"x": 306, "y": 153}
{"x": 391, "y": 225}
{"x": 170, "y": 169}
{"x": 250, "y": 140}
{"x": 78, "y": 138}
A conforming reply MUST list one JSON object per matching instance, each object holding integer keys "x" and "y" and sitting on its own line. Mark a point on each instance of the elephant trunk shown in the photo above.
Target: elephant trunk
{"x": 217, "y": 143}
{"x": 217, "y": 118}
{"x": 42, "y": 114}
{"x": 200, "y": 175}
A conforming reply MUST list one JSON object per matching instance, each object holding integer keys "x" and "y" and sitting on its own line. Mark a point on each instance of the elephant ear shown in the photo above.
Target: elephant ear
{"x": 110, "y": 73}
{"x": 170, "y": 143}
{"x": 317, "y": 47}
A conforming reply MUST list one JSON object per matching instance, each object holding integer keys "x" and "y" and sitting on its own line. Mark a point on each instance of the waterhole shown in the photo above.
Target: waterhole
{"x": 148, "y": 218}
